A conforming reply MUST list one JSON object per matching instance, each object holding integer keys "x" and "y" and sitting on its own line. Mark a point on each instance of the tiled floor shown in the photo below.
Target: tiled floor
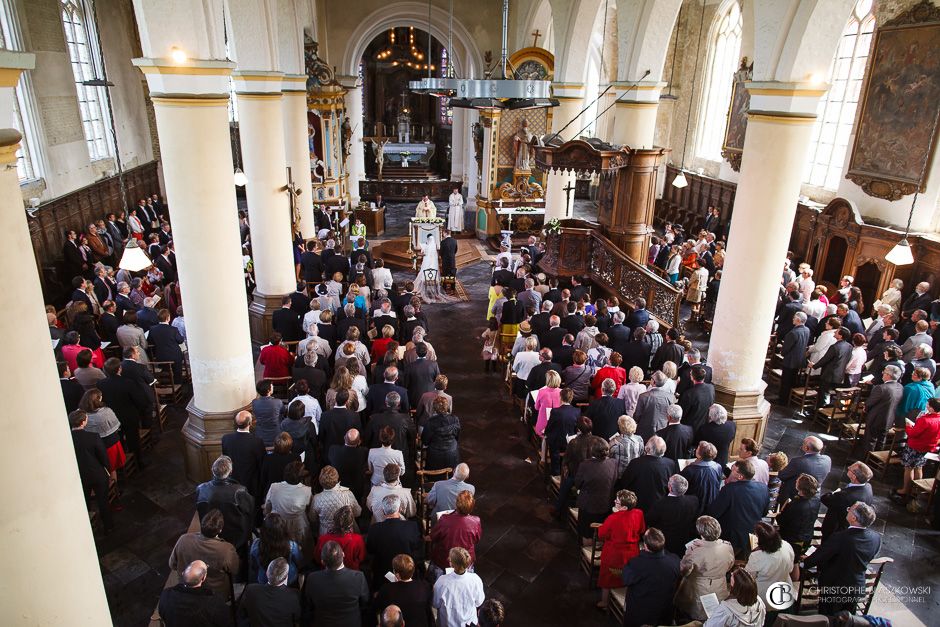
{"x": 525, "y": 558}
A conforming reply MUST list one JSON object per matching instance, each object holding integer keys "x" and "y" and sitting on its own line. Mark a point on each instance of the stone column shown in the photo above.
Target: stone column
{"x": 558, "y": 203}
{"x": 261, "y": 128}
{"x": 471, "y": 174}
{"x": 779, "y": 124}
{"x": 191, "y": 109}
{"x": 356, "y": 163}
{"x": 40, "y": 498}
{"x": 457, "y": 137}
{"x": 297, "y": 148}
{"x": 635, "y": 113}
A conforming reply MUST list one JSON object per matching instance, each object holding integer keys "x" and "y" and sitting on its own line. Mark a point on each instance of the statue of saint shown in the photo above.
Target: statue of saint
{"x": 522, "y": 142}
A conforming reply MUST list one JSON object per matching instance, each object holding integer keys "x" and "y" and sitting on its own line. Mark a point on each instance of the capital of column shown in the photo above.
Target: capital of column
{"x": 294, "y": 84}
{"x": 349, "y": 82}
{"x": 568, "y": 91}
{"x": 258, "y": 83}
{"x": 194, "y": 79}
{"x": 638, "y": 93}
{"x": 785, "y": 102}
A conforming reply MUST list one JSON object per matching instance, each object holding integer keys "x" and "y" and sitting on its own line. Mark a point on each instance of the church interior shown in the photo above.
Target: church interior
{"x": 505, "y": 312}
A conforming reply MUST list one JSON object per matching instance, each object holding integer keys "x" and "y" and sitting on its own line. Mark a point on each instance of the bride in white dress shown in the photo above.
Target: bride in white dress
{"x": 430, "y": 291}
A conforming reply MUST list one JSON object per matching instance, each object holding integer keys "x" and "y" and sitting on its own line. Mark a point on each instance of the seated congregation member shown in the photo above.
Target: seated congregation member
{"x": 268, "y": 412}
{"x": 94, "y": 468}
{"x": 620, "y": 533}
{"x": 797, "y": 519}
{"x": 190, "y": 603}
{"x": 838, "y": 502}
{"x": 704, "y": 475}
{"x": 648, "y": 475}
{"x": 812, "y": 462}
{"x": 459, "y": 528}
{"x": 343, "y": 531}
{"x": 246, "y": 450}
{"x": 273, "y": 542}
{"x": 165, "y": 341}
{"x": 626, "y": 445}
{"x": 351, "y": 461}
{"x": 331, "y": 498}
{"x": 458, "y": 594}
{"x": 651, "y": 406}
{"x": 678, "y": 437}
{"x": 443, "y": 494}
{"x": 563, "y": 424}
{"x": 391, "y": 484}
{"x": 103, "y": 422}
{"x": 291, "y": 499}
{"x": 771, "y": 561}
{"x": 595, "y": 483}
{"x": 384, "y": 454}
{"x": 335, "y": 596}
{"x": 390, "y": 537}
{"x": 675, "y": 515}
{"x": 743, "y": 607}
{"x": 704, "y": 566}
{"x": 440, "y": 436}
{"x": 843, "y": 559}
{"x": 271, "y": 603}
{"x": 411, "y": 594}
{"x": 719, "y": 431}
{"x": 651, "y": 579}
{"x": 273, "y": 464}
{"x": 740, "y": 505}
{"x": 605, "y": 410}
{"x": 207, "y": 546}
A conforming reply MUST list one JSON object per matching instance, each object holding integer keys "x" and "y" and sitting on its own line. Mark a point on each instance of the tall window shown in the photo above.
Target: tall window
{"x": 836, "y": 112}
{"x": 9, "y": 40}
{"x": 722, "y": 63}
{"x": 446, "y": 111}
{"x": 86, "y": 59}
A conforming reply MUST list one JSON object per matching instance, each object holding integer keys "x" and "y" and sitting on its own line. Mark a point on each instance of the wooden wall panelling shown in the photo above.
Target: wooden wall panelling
{"x": 687, "y": 205}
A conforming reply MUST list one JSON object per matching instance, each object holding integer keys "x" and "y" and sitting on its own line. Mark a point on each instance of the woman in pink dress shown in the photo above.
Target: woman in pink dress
{"x": 549, "y": 397}
{"x": 621, "y": 534}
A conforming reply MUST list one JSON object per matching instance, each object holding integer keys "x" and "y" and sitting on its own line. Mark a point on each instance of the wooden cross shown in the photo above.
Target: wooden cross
{"x": 536, "y": 34}
{"x": 568, "y": 189}
{"x": 292, "y": 193}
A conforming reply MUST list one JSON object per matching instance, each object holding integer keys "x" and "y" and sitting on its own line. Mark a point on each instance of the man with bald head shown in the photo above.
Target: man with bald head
{"x": 271, "y": 603}
{"x": 247, "y": 452}
{"x": 443, "y": 494}
{"x": 812, "y": 462}
{"x": 189, "y": 603}
{"x": 391, "y": 617}
{"x": 350, "y": 460}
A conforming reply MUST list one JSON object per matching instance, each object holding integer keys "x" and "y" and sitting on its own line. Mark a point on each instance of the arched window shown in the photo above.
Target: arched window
{"x": 836, "y": 112}
{"x": 446, "y": 111}
{"x": 724, "y": 53}
{"x": 86, "y": 62}
{"x": 26, "y": 161}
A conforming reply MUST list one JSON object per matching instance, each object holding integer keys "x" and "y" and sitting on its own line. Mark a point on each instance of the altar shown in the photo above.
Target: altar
{"x": 408, "y": 155}
{"x": 420, "y": 228}
{"x": 526, "y": 219}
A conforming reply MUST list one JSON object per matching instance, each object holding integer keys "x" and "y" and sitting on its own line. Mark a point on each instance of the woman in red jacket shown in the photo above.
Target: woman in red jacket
{"x": 923, "y": 436}
{"x": 611, "y": 371}
{"x": 621, "y": 534}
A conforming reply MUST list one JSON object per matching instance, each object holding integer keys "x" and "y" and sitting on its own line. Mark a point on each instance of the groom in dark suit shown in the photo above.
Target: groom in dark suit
{"x": 448, "y": 255}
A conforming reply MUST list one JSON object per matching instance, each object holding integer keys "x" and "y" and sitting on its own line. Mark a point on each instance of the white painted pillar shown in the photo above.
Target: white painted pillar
{"x": 635, "y": 113}
{"x": 356, "y": 163}
{"x": 557, "y": 203}
{"x": 457, "y": 139}
{"x": 471, "y": 174}
{"x": 778, "y": 133}
{"x": 297, "y": 150}
{"x": 50, "y": 573}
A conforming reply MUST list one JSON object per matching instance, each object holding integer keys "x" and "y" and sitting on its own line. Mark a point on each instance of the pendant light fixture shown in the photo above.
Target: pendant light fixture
{"x": 680, "y": 181}
{"x": 901, "y": 254}
{"x": 240, "y": 179}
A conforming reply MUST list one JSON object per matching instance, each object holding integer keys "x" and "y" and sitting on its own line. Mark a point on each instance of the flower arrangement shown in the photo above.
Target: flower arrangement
{"x": 428, "y": 220}
{"x": 553, "y": 226}
{"x": 525, "y": 209}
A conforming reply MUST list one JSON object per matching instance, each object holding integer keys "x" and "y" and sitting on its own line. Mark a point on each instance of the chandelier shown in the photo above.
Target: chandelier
{"x": 404, "y": 52}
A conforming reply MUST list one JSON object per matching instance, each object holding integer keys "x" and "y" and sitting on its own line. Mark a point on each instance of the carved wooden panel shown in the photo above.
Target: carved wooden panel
{"x": 688, "y": 205}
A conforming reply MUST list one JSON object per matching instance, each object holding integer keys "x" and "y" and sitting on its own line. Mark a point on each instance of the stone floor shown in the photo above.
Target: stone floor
{"x": 525, "y": 558}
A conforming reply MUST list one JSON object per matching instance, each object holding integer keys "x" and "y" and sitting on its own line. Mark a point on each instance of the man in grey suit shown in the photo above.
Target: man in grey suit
{"x": 920, "y": 337}
{"x": 443, "y": 494}
{"x": 794, "y": 354}
{"x": 858, "y": 489}
{"x": 812, "y": 462}
{"x": 651, "y": 407}
{"x": 832, "y": 366}
{"x": 529, "y": 297}
{"x": 880, "y": 408}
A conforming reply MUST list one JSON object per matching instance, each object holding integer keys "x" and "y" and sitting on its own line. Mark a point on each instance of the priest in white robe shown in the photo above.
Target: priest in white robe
{"x": 425, "y": 209}
{"x": 455, "y": 215}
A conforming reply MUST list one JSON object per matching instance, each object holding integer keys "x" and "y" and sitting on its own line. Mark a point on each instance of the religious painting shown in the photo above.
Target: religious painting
{"x": 898, "y": 120}
{"x": 532, "y": 70}
{"x": 733, "y": 146}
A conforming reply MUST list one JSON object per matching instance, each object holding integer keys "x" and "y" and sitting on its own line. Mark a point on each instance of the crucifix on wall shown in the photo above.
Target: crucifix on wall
{"x": 292, "y": 193}
{"x": 568, "y": 189}
{"x": 536, "y": 34}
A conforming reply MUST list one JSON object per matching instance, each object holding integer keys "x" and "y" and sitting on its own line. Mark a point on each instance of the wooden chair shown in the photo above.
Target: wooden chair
{"x": 805, "y": 394}
{"x": 616, "y": 604}
{"x": 282, "y": 387}
{"x": 168, "y": 390}
{"x": 844, "y": 402}
{"x": 883, "y": 460}
{"x": 590, "y": 557}
{"x": 927, "y": 485}
{"x": 426, "y": 479}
